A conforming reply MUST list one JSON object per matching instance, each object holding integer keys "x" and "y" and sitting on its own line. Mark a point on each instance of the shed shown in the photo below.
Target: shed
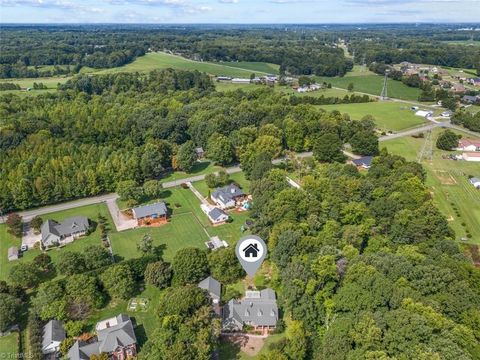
{"x": 12, "y": 253}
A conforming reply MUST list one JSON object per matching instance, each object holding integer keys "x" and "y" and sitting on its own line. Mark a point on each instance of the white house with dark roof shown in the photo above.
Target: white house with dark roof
{"x": 54, "y": 233}
{"x": 150, "y": 213}
{"x": 215, "y": 215}
{"x": 257, "y": 309}
{"x": 226, "y": 197}
{"x": 53, "y": 334}
{"x": 115, "y": 336}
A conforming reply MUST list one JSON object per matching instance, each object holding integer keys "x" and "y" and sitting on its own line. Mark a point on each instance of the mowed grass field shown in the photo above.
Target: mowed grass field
{"x": 448, "y": 180}
{"x": 392, "y": 116}
{"x": 160, "y": 60}
{"x": 188, "y": 225}
{"x": 90, "y": 211}
{"x": 373, "y": 84}
{"x": 9, "y": 346}
{"x": 254, "y": 66}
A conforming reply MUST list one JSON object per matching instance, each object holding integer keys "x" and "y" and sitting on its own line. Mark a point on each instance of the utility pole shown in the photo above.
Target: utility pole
{"x": 384, "y": 94}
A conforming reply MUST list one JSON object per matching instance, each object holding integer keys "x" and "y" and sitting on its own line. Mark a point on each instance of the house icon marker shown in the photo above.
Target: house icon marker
{"x": 251, "y": 250}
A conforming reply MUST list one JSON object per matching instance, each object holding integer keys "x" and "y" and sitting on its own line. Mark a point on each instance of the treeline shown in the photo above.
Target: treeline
{"x": 74, "y": 143}
{"x": 323, "y": 100}
{"x": 469, "y": 120}
{"x": 23, "y": 48}
{"x": 367, "y": 265}
{"x": 9, "y": 86}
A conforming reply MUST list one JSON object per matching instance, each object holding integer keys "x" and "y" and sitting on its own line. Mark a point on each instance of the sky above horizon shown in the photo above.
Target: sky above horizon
{"x": 238, "y": 11}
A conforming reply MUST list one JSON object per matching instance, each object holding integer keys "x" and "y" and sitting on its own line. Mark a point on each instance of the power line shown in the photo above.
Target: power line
{"x": 384, "y": 94}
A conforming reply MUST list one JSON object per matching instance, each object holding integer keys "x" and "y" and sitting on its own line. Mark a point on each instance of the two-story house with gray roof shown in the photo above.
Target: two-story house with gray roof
{"x": 54, "y": 233}
{"x": 115, "y": 337}
{"x": 227, "y": 197}
{"x": 258, "y": 309}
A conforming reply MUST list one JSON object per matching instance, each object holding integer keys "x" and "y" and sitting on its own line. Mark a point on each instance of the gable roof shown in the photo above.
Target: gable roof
{"x": 211, "y": 285}
{"x": 227, "y": 193}
{"x": 65, "y": 228}
{"x": 257, "y": 308}
{"x": 363, "y": 161}
{"x": 467, "y": 142}
{"x": 216, "y": 213}
{"x": 53, "y": 331}
{"x": 108, "y": 339}
{"x": 158, "y": 208}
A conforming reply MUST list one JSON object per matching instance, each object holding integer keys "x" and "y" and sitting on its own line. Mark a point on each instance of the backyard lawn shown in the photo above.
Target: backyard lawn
{"x": 188, "y": 226}
{"x": 392, "y": 116}
{"x": 9, "y": 346}
{"x": 449, "y": 184}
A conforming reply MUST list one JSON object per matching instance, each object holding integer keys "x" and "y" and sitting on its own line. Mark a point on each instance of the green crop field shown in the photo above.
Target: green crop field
{"x": 9, "y": 346}
{"x": 90, "y": 211}
{"x": 373, "y": 84}
{"x": 448, "y": 180}
{"x": 388, "y": 115}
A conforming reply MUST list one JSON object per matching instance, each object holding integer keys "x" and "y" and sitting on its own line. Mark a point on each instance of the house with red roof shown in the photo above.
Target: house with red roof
{"x": 468, "y": 145}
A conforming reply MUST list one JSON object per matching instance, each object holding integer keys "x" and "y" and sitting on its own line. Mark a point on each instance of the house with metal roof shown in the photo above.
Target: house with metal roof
{"x": 257, "y": 309}
{"x": 53, "y": 334}
{"x": 151, "y": 213}
{"x": 364, "y": 162}
{"x": 226, "y": 197}
{"x": 115, "y": 336}
{"x": 54, "y": 233}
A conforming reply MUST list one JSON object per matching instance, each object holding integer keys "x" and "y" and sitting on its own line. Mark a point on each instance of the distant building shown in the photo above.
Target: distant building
{"x": 224, "y": 78}
{"x": 12, "y": 253}
{"x": 155, "y": 213}
{"x": 227, "y": 196}
{"x": 446, "y": 114}
{"x": 258, "y": 309}
{"x": 115, "y": 336}
{"x": 364, "y": 162}
{"x": 53, "y": 335}
{"x": 468, "y": 99}
{"x": 468, "y": 145}
{"x": 475, "y": 182}
{"x": 53, "y": 233}
{"x": 424, "y": 113}
{"x": 215, "y": 215}
{"x": 474, "y": 81}
{"x": 471, "y": 156}
{"x": 240, "y": 81}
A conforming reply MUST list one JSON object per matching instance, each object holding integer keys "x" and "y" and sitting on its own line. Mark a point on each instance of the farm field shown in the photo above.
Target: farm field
{"x": 49, "y": 82}
{"x": 448, "y": 181}
{"x": 9, "y": 346}
{"x": 388, "y": 115}
{"x": 90, "y": 211}
{"x": 160, "y": 60}
{"x": 373, "y": 84}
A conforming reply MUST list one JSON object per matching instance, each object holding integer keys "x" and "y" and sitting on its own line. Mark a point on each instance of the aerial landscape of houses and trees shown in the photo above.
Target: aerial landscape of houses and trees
{"x": 138, "y": 152}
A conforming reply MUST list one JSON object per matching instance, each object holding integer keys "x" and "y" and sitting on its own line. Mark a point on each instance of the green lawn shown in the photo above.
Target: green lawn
{"x": 459, "y": 194}
{"x": 373, "y": 84}
{"x": 50, "y": 82}
{"x": 91, "y": 212}
{"x": 199, "y": 168}
{"x": 9, "y": 346}
{"x": 160, "y": 60}
{"x": 388, "y": 115}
